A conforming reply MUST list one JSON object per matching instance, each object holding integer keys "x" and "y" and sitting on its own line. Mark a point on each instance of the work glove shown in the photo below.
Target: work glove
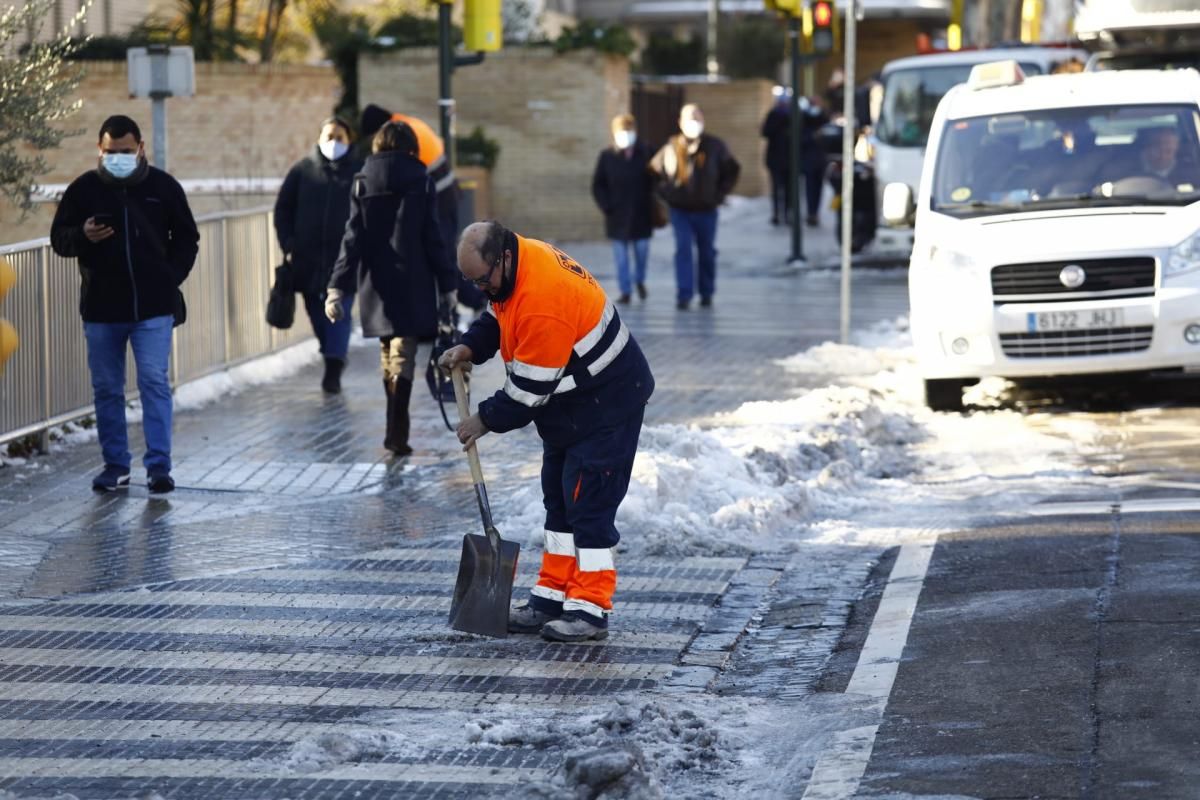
{"x": 333, "y": 305}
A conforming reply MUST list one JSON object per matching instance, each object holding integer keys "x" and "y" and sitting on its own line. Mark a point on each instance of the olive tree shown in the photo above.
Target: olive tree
{"x": 36, "y": 87}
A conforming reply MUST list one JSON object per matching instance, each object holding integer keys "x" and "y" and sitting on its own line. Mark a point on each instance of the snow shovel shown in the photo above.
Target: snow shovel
{"x": 488, "y": 565}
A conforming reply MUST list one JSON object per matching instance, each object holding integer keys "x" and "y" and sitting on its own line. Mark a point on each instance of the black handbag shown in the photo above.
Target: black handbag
{"x": 179, "y": 311}
{"x": 281, "y": 306}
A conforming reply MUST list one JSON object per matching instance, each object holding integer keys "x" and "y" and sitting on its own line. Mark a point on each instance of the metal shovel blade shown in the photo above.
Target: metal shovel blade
{"x": 484, "y": 587}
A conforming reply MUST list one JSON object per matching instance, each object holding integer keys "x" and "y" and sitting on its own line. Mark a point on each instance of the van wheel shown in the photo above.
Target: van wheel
{"x": 945, "y": 394}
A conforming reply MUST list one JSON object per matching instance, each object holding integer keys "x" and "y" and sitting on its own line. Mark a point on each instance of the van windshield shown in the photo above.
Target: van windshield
{"x": 1068, "y": 158}
{"x": 910, "y": 96}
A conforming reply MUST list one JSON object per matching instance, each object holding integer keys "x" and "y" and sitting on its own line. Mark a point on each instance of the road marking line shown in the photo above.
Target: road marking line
{"x": 1145, "y": 505}
{"x": 840, "y": 768}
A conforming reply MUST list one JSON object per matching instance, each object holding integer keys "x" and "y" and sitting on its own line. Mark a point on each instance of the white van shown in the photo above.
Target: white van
{"x": 1057, "y": 228}
{"x": 912, "y": 88}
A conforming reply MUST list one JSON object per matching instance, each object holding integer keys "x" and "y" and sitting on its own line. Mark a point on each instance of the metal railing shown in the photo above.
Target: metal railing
{"x": 46, "y": 383}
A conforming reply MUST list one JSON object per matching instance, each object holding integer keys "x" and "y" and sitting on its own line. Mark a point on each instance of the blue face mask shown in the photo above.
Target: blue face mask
{"x": 119, "y": 165}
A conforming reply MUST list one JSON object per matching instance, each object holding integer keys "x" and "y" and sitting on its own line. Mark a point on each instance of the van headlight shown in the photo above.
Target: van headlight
{"x": 1184, "y": 257}
{"x": 948, "y": 259}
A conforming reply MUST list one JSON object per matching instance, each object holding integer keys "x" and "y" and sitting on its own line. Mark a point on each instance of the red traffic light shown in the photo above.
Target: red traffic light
{"x": 822, "y": 14}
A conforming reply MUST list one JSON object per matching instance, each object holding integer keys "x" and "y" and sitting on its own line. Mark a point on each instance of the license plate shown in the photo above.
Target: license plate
{"x": 1040, "y": 321}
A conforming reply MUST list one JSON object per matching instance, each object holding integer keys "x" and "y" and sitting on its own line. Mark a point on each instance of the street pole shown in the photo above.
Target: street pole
{"x": 712, "y": 64}
{"x": 848, "y": 132}
{"x": 158, "y": 113}
{"x": 445, "y": 68}
{"x": 794, "y": 187}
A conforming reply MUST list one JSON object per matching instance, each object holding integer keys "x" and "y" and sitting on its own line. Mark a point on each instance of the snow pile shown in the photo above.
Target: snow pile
{"x": 351, "y": 746}
{"x": 769, "y": 473}
{"x": 629, "y": 750}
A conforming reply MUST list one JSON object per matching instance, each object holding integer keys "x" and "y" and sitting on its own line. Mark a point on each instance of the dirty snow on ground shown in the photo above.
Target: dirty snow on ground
{"x": 862, "y": 444}
{"x": 855, "y": 458}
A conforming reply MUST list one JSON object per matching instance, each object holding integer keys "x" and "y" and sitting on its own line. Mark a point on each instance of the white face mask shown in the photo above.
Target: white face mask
{"x": 333, "y": 149}
{"x": 624, "y": 139}
{"x": 119, "y": 165}
{"x": 692, "y": 128}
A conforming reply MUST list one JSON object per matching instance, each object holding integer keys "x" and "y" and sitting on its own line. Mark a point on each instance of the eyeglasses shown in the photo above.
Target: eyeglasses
{"x": 486, "y": 280}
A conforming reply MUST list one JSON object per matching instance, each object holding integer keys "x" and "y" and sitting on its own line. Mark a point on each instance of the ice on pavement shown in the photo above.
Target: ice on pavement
{"x": 855, "y": 458}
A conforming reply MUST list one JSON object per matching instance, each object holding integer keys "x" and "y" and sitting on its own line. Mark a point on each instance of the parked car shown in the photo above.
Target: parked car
{"x": 1057, "y": 228}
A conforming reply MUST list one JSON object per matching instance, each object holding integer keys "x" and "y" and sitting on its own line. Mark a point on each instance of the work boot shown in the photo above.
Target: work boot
{"x": 331, "y": 382}
{"x": 575, "y": 628}
{"x": 524, "y": 618}
{"x": 398, "y": 391}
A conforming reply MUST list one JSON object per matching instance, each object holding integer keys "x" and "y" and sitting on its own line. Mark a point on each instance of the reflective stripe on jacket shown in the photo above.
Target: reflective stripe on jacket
{"x": 571, "y": 363}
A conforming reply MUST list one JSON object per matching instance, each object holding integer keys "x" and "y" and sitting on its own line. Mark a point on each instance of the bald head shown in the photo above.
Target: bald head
{"x": 482, "y": 258}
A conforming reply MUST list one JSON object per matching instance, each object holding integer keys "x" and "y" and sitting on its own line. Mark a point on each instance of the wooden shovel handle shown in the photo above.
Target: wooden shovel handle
{"x": 464, "y": 411}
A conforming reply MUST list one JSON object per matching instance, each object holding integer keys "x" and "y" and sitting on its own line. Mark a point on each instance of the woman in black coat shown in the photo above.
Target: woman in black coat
{"x": 310, "y": 217}
{"x": 394, "y": 257}
{"x": 622, "y": 186}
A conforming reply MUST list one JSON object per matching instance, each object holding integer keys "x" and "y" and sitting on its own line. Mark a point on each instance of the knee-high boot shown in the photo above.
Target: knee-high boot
{"x": 399, "y": 391}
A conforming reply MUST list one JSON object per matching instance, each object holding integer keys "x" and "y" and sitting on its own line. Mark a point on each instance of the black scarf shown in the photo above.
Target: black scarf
{"x": 507, "y": 282}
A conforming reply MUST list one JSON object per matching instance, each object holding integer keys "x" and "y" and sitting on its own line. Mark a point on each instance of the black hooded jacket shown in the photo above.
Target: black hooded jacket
{"x": 622, "y": 187}
{"x": 310, "y": 216}
{"x": 135, "y": 274}
{"x": 393, "y": 254}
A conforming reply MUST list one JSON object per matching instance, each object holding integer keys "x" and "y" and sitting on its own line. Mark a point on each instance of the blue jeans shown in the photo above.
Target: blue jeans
{"x": 151, "y": 341}
{"x": 700, "y": 226}
{"x": 333, "y": 337}
{"x": 641, "y": 252}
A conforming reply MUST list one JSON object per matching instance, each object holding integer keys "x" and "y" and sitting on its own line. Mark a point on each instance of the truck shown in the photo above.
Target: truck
{"x": 1057, "y": 228}
{"x": 1140, "y": 34}
{"x": 912, "y": 88}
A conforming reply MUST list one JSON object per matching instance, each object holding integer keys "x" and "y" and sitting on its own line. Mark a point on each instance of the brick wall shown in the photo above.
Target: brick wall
{"x": 245, "y": 121}
{"x": 734, "y": 112}
{"x": 550, "y": 113}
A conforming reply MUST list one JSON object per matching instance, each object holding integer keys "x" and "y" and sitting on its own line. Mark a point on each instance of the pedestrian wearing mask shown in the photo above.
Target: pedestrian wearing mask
{"x": 621, "y": 185}
{"x": 393, "y": 255}
{"x": 310, "y": 218}
{"x": 129, "y": 226}
{"x": 696, "y": 173}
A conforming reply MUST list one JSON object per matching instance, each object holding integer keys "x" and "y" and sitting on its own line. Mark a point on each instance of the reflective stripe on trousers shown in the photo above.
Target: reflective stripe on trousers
{"x": 574, "y": 580}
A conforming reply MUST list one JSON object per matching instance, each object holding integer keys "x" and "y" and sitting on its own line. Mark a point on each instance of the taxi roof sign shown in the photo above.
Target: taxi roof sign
{"x": 995, "y": 73}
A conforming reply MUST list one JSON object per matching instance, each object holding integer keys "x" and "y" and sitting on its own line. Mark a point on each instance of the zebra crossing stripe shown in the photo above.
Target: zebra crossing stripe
{"x": 271, "y": 695}
{"x": 165, "y": 768}
{"x": 634, "y": 583}
{"x": 332, "y": 662}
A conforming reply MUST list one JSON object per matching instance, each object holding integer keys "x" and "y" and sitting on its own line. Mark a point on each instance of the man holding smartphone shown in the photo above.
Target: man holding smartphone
{"x": 130, "y": 227}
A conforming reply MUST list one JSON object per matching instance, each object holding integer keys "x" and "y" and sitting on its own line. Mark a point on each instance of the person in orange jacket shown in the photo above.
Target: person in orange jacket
{"x": 573, "y": 370}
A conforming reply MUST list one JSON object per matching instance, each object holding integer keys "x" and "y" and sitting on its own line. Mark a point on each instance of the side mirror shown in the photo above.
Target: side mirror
{"x": 898, "y": 208}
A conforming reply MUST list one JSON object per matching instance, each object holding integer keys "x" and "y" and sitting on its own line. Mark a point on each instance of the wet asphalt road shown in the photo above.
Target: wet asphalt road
{"x": 1056, "y": 653}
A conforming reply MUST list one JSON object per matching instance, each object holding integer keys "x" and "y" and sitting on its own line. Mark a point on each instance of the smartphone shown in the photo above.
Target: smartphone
{"x": 103, "y": 218}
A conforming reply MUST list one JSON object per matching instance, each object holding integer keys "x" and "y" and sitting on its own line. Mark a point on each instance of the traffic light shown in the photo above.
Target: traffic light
{"x": 822, "y": 26}
{"x": 8, "y": 334}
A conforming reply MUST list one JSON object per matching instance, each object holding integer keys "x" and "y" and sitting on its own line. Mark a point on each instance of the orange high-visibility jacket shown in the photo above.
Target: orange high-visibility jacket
{"x": 572, "y": 364}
